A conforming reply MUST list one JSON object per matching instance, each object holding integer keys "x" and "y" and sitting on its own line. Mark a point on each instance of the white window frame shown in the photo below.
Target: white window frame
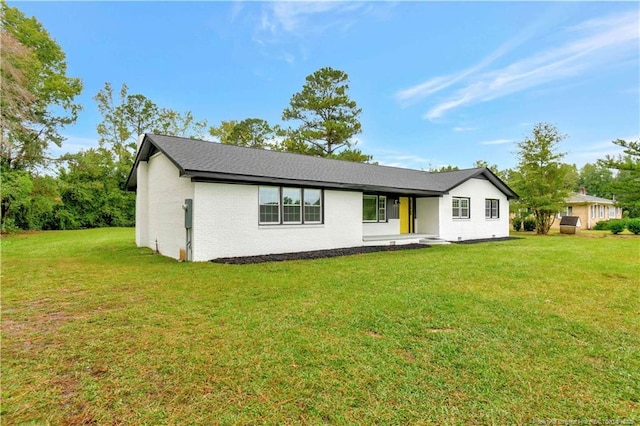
{"x": 260, "y": 204}
{"x": 285, "y": 205}
{"x": 601, "y": 212}
{"x": 456, "y": 210}
{"x": 305, "y": 205}
{"x": 491, "y": 208}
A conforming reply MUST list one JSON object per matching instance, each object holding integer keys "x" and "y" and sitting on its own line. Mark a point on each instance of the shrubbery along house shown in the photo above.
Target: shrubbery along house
{"x": 199, "y": 200}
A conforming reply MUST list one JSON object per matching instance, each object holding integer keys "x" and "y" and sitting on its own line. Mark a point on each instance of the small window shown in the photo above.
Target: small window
{"x": 460, "y": 208}
{"x": 291, "y": 205}
{"x": 369, "y": 208}
{"x": 492, "y": 209}
{"x": 601, "y": 211}
{"x": 382, "y": 208}
{"x": 374, "y": 208}
{"x": 312, "y": 206}
{"x": 269, "y": 204}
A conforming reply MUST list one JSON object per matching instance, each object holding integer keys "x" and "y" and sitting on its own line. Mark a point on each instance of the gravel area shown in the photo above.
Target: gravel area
{"x": 317, "y": 254}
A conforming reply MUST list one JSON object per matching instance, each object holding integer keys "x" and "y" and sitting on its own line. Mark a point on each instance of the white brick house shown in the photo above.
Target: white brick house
{"x": 205, "y": 200}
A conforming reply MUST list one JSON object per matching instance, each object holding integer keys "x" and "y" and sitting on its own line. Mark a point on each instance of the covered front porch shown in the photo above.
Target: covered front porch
{"x": 394, "y": 219}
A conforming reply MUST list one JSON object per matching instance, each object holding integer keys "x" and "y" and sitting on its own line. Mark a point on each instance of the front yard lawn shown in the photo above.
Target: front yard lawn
{"x": 95, "y": 330}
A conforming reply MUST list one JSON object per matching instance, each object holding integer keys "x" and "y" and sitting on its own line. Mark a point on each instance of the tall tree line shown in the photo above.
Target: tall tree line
{"x": 87, "y": 189}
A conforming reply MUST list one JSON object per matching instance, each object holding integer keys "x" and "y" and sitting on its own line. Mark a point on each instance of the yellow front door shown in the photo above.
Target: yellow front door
{"x": 404, "y": 215}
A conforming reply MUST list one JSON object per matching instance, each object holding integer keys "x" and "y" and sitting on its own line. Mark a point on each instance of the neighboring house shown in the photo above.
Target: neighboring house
{"x": 589, "y": 209}
{"x": 205, "y": 200}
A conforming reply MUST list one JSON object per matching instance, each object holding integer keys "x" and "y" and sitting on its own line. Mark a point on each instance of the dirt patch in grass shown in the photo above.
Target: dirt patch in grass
{"x": 441, "y": 330}
{"x": 316, "y": 254}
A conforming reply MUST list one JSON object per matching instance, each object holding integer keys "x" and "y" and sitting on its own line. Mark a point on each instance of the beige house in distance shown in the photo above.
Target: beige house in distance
{"x": 589, "y": 209}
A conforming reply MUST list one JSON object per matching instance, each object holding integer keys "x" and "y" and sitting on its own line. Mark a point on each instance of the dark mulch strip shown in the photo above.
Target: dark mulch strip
{"x": 316, "y": 254}
{"x": 487, "y": 240}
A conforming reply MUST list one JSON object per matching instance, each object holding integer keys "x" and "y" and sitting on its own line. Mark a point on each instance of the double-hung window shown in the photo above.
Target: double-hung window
{"x": 312, "y": 206}
{"x": 491, "y": 209}
{"x": 374, "y": 208}
{"x": 289, "y": 206}
{"x": 460, "y": 208}
{"x": 269, "y": 204}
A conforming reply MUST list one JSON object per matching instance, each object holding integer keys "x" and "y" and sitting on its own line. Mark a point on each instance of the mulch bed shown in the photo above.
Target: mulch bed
{"x": 316, "y": 254}
{"x": 486, "y": 240}
{"x": 321, "y": 254}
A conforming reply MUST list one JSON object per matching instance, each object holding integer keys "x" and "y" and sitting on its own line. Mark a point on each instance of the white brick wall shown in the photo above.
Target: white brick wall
{"x": 226, "y": 224}
{"x": 142, "y": 205}
{"x": 225, "y": 217}
{"x": 383, "y": 228}
{"x": 476, "y": 227}
{"x": 161, "y": 217}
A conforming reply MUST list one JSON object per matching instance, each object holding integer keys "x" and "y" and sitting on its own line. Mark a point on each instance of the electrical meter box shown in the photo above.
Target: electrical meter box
{"x": 188, "y": 213}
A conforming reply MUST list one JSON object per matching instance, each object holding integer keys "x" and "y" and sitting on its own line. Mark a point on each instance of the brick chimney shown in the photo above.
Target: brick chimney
{"x": 583, "y": 191}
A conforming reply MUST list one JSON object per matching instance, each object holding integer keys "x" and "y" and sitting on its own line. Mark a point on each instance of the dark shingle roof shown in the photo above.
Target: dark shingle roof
{"x": 212, "y": 161}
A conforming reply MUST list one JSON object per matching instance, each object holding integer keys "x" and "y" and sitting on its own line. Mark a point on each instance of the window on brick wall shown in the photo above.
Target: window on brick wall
{"x": 374, "y": 208}
{"x": 289, "y": 206}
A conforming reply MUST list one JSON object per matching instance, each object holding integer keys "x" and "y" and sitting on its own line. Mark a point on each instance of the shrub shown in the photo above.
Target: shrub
{"x": 529, "y": 225}
{"x": 633, "y": 225}
{"x": 610, "y": 225}
{"x": 616, "y": 226}
{"x": 517, "y": 224}
{"x": 603, "y": 225}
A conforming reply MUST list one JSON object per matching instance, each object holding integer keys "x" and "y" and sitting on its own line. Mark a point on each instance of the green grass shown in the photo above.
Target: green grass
{"x": 540, "y": 328}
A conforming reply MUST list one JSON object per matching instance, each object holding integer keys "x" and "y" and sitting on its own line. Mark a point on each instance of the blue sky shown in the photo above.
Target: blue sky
{"x": 439, "y": 83}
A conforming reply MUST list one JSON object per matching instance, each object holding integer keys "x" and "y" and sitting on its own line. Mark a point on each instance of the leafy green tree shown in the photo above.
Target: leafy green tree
{"x": 131, "y": 115}
{"x": 328, "y": 117}
{"x": 223, "y": 131}
{"x": 91, "y": 193}
{"x": 37, "y": 95}
{"x": 448, "y": 168}
{"x": 502, "y": 174}
{"x": 626, "y": 184}
{"x": 250, "y": 132}
{"x": 596, "y": 180}
{"x": 92, "y": 182}
{"x": 17, "y": 186}
{"x": 541, "y": 179}
{"x": 29, "y": 201}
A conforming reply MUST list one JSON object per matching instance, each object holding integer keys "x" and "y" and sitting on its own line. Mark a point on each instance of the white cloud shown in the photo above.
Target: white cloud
{"x": 291, "y": 23}
{"x": 591, "y": 45}
{"x": 72, "y": 145}
{"x": 284, "y": 19}
{"x": 498, "y": 142}
{"x": 436, "y": 84}
{"x": 464, "y": 129}
{"x": 594, "y": 151}
{"x": 392, "y": 158}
